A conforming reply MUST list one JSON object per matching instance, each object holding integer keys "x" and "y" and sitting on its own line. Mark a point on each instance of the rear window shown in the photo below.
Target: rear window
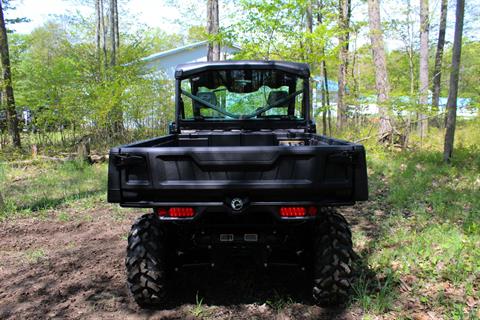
{"x": 243, "y": 94}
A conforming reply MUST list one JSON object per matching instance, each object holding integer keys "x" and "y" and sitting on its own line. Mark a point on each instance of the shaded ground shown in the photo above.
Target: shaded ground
{"x": 70, "y": 265}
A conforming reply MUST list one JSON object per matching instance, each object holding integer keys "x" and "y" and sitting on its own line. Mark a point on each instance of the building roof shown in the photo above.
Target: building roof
{"x": 174, "y": 51}
{"x": 164, "y": 63}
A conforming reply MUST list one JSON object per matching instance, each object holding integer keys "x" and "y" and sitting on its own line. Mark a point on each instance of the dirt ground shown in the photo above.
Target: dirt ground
{"x": 70, "y": 266}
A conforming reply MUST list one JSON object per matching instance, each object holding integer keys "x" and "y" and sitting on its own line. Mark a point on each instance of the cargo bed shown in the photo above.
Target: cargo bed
{"x": 282, "y": 167}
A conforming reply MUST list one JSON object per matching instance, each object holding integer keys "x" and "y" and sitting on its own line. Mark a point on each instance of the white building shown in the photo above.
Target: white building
{"x": 164, "y": 63}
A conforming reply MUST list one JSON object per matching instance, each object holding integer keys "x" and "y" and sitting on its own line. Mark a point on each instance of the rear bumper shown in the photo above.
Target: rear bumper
{"x": 259, "y": 204}
{"x": 248, "y": 213}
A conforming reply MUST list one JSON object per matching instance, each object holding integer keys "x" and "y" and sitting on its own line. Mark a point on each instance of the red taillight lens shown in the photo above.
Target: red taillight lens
{"x": 298, "y": 211}
{"x": 176, "y": 212}
{"x": 181, "y": 212}
{"x": 292, "y": 211}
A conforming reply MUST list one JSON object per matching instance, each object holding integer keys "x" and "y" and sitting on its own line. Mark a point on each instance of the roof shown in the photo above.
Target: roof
{"x": 179, "y": 49}
{"x": 185, "y": 70}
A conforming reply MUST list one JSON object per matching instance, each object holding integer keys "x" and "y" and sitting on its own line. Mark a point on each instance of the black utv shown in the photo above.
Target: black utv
{"x": 241, "y": 171}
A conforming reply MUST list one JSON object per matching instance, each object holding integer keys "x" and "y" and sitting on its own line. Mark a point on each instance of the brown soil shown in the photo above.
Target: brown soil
{"x": 73, "y": 269}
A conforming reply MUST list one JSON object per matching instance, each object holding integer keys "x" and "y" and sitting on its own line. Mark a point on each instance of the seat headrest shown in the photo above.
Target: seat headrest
{"x": 209, "y": 97}
{"x": 275, "y": 96}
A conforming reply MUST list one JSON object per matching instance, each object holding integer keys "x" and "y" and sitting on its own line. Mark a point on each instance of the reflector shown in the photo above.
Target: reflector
{"x": 312, "y": 211}
{"x": 161, "y": 212}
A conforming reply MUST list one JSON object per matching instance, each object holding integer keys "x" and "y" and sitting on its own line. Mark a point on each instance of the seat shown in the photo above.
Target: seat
{"x": 274, "y": 97}
{"x": 206, "y": 96}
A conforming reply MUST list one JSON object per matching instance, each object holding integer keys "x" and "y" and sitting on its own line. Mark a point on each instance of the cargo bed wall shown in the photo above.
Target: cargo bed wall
{"x": 232, "y": 139}
{"x": 323, "y": 173}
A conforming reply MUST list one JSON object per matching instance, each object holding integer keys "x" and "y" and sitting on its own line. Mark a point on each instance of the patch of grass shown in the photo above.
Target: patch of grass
{"x": 45, "y": 185}
{"x": 279, "y": 302}
{"x": 374, "y": 294}
{"x": 426, "y": 247}
{"x": 35, "y": 255}
{"x": 119, "y": 213}
{"x": 198, "y": 311}
{"x": 71, "y": 245}
{"x": 63, "y": 217}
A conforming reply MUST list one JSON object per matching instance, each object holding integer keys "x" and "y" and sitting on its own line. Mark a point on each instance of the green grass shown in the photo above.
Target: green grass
{"x": 199, "y": 311}
{"x": 34, "y": 256}
{"x": 427, "y": 215}
{"x": 33, "y": 188}
{"x": 279, "y": 302}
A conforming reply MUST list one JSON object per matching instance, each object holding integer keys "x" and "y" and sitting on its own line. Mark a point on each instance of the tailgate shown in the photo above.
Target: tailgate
{"x": 323, "y": 174}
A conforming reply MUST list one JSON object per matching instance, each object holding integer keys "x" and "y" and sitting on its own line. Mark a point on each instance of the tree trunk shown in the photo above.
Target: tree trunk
{"x": 212, "y": 30}
{"x": 344, "y": 24}
{"x": 117, "y": 30}
{"x": 8, "y": 97}
{"x": 453, "y": 90}
{"x": 325, "y": 91}
{"x": 104, "y": 35}
{"x": 326, "y": 113}
{"x": 98, "y": 27}
{"x": 113, "y": 32}
{"x": 437, "y": 71}
{"x": 381, "y": 76}
{"x": 117, "y": 112}
{"x": 309, "y": 57}
{"x": 410, "y": 51}
{"x": 83, "y": 151}
{"x": 423, "y": 74}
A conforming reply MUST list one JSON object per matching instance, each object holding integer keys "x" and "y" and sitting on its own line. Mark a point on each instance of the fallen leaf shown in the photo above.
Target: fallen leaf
{"x": 421, "y": 316}
{"x": 404, "y": 286}
{"x": 432, "y": 315}
{"x": 471, "y": 302}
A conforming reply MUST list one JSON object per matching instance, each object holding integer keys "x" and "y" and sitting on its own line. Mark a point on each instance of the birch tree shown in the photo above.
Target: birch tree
{"x": 437, "y": 71}
{"x": 423, "y": 74}
{"x": 381, "y": 76}
{"x": 344, "y": 24}
{"x": 453, "y": 90}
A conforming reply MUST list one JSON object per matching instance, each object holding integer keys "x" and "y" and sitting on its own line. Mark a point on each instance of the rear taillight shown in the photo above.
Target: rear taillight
{"x": 292, "y": 211}
{"x": 176, "y": 212}
{"x": 298, "y": 211}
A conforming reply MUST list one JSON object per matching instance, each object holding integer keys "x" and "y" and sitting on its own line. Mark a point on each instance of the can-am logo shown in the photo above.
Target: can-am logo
{"x": 237, "y": 204}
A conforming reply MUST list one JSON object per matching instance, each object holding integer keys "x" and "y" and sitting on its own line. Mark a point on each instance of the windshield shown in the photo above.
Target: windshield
{"x": 242, "y": 94}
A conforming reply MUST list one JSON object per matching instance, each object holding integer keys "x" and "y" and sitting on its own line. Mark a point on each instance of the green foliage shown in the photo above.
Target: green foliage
{"x": 279, "y": 302}
{"x": 375, "y": 295}
{"x": 198, "y": 311}
{"x": 276, "y": 30}
{"x": 469, "y": 86}
{"x": 61, "y": 78}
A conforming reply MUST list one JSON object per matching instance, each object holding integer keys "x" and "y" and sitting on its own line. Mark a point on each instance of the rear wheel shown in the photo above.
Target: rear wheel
{"x": 145, "y": 262}
{"x": 333, "y": 253}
